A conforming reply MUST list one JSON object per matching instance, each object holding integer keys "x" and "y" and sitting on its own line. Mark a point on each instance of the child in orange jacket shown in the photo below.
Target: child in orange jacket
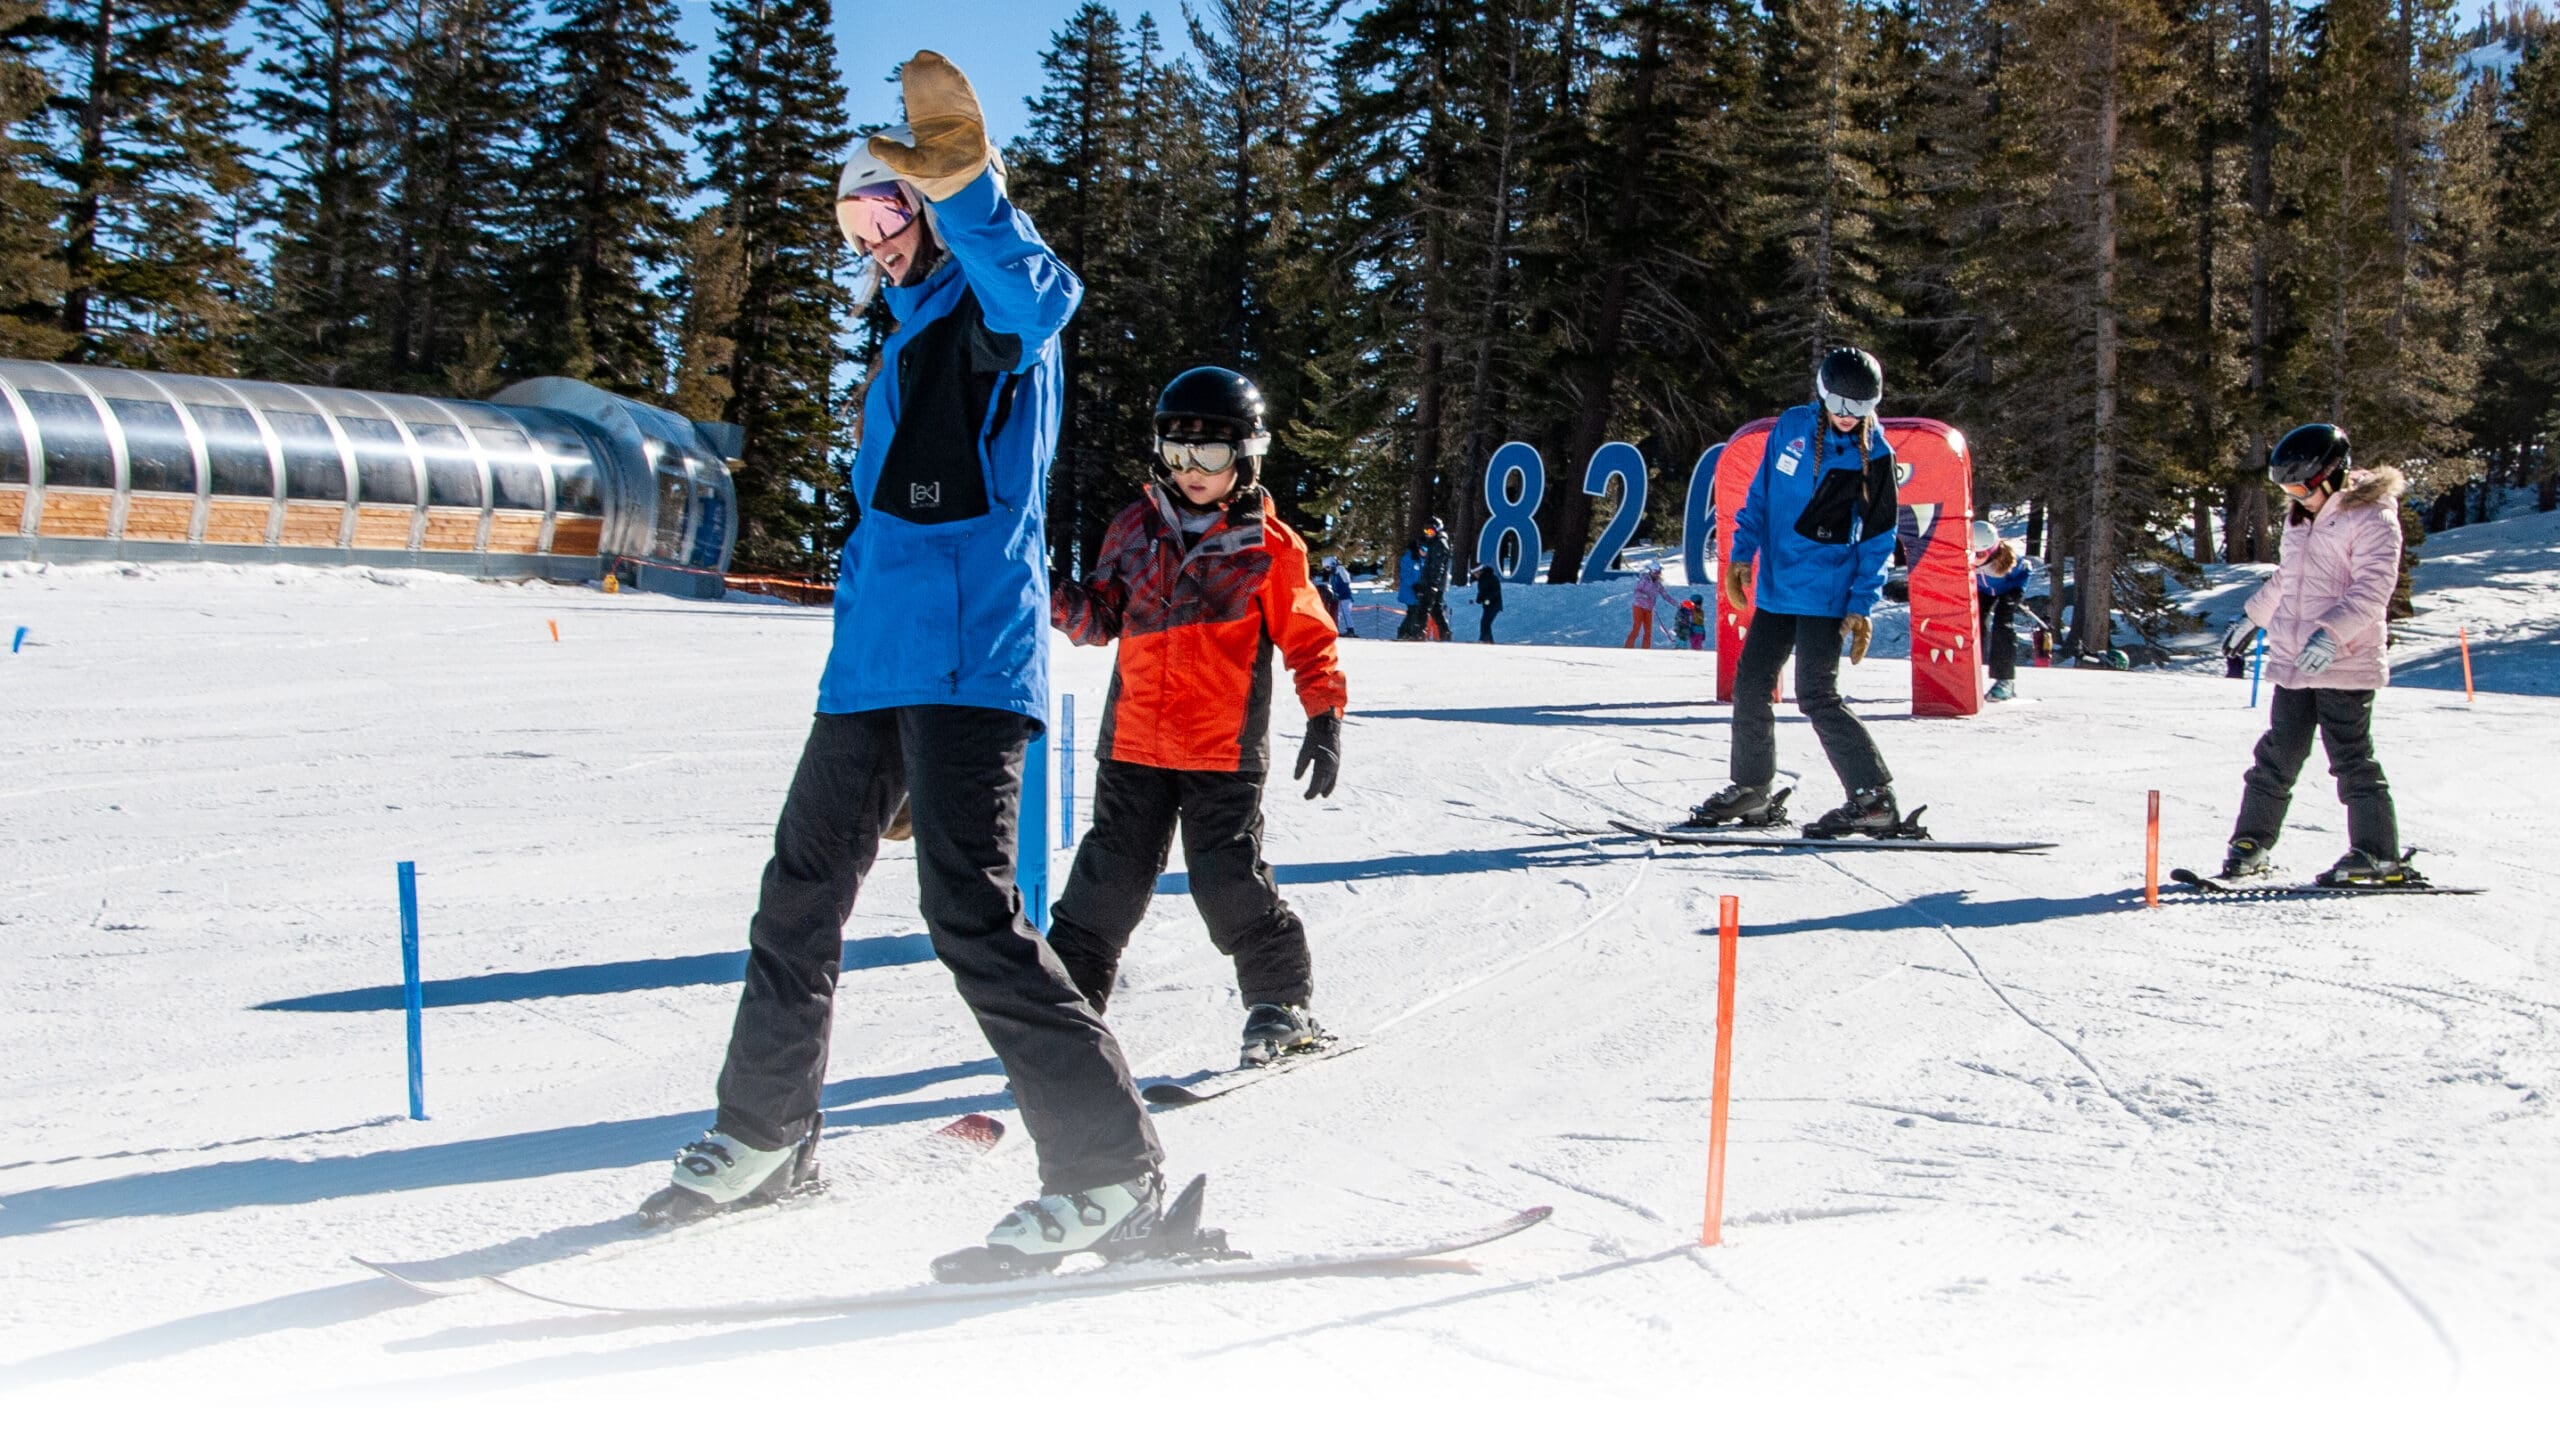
{"x": 1200, "y": 583}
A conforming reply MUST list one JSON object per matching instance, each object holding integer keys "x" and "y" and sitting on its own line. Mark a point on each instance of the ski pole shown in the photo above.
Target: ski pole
{"x": 2257, "y": 663}
{"x": 1728, "y": 934}
{"x": 1066, "y": 771}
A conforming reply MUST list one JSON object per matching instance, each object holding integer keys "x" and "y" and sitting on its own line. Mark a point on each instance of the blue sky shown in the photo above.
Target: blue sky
{"x": 997, "y": 43}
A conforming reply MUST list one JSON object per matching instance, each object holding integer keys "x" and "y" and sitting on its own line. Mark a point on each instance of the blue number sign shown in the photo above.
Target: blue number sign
{"x": 1698, "y": 527}
{"x": 1513, "y": 517}
{"x": 1624, "y": 462}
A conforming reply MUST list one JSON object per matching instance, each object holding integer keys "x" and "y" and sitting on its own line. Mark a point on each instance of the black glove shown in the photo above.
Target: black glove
{"x": 1323, "y": 750}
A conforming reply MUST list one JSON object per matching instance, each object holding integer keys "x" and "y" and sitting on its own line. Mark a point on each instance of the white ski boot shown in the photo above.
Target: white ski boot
{"x": 720, "y": 1172}
{"x": 1114, "y": 1220}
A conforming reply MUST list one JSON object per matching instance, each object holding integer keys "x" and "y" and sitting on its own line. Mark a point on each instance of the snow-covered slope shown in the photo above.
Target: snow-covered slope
{"x": 1995, "y": 1120}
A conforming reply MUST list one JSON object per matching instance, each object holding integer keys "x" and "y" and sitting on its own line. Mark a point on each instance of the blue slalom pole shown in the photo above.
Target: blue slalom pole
{"x": 2257, "y": 663}
{"x": 18, "y": 639}
{"x": 409, "y": 979}
{"x": 1066, "y": 771}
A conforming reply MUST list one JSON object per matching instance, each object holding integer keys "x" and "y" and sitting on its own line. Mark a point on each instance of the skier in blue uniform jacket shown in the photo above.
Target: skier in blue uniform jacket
{"x": 1813, "y": 537}
{"x": 936, "y": 683}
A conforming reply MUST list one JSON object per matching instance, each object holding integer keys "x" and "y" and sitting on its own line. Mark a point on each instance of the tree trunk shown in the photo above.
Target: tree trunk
{"x": 2203, "y": 528}
{"x": 1573, "y": 523}
{"x": 87, "y": 203}
{"x": 1477, "y": 443}
{"x": 2248, "y": 515}
{"x": 2097, "y": 576}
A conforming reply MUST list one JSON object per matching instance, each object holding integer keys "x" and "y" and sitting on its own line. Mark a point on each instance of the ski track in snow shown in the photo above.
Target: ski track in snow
{"x": 1994, "y": 1121}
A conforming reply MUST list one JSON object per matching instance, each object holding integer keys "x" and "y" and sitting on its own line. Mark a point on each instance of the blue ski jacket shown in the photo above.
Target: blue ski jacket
{"x": 2013, "y": 585}
{"x": 942, "y": 597}
{"x": 1790, "y": 505}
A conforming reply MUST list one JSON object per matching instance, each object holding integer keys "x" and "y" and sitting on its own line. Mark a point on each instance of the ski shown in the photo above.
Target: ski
{"x": 2226, "y": 890}
{"x": 1206, "y": 1085}
{"x": 1125, "y": 1275}
{"x": 1762, "y": 840}
{"x": 966, "y": 1138}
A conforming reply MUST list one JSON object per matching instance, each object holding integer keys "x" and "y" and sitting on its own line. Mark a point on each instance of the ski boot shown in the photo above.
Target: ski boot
{"x": 2356, "y": 869}
{"x": 1272, "y": 1031}
{"x": 2247, "y": 860}
{"x": 1740, "y": 806}
{"x": 722, "y": 1172}
{"x": 1867, "y": 812}
{"x": 2003, "y": 690}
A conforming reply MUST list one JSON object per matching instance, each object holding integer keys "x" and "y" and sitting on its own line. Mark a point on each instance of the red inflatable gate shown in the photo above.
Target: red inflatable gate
{"x": 1936, "y": 482}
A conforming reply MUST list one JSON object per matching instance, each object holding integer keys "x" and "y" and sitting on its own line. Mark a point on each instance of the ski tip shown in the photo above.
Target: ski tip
{"x": 436, "y": 1289}
{"x": 1172, "y": 1097}
{"x": 978, "y": 1132}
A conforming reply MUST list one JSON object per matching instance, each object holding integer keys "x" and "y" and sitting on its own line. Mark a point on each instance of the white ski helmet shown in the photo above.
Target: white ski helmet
{"x": 1985, "y": 540}
{"x": 863, "y": 170}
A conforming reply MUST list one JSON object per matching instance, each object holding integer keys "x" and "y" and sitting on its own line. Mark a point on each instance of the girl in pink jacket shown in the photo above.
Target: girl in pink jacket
{"x": 2326, "y": 614}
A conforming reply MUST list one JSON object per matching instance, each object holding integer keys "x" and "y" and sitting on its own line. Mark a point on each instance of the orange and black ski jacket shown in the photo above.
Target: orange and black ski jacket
{"x": 1196, "y": 626}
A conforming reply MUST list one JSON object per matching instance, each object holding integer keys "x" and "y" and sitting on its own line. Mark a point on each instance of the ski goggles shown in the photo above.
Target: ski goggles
{"x": 1843, "y": 405}
{"x": 1206, "y": 456}
{"x": 872, "y": 214}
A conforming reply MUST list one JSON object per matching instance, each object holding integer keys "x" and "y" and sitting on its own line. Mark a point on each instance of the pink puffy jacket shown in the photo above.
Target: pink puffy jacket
{"x": 2336, "y": 573}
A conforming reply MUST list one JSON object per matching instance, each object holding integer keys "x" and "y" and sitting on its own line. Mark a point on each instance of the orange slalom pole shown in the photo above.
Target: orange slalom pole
{"x": 2151, "y": 856}
{"x": 555, "y": 632}
{"x": 1728, "y": 932}
{"x": 2467, "y": 697}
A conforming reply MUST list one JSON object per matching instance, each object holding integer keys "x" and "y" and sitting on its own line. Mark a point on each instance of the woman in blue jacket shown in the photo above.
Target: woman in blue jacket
{"x": 1814, "y": 538}
{"x": 936, "y": 683}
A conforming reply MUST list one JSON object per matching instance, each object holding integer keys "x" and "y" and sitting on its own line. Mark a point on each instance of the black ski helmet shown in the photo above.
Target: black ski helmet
{"x": 1849, "y": 382}
{"x": 1217, "y": 396}
{"x": 2309, "y": 456}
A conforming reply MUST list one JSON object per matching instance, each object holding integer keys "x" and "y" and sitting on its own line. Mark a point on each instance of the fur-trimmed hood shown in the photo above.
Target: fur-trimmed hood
{"x": 2382, "y": 485}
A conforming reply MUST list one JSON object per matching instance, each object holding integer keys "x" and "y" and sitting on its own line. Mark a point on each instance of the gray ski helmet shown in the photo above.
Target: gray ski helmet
{"x": 1850, "y": 382}
{"x": 2309, "y": 457}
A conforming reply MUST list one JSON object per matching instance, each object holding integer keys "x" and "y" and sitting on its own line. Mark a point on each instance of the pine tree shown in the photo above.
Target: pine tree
{"x": 1073, "y": 175}
{"x": 2519, "y": 397}
{"x": 774, "y": 133}
{"x": 1823, "y": 206}
{"x": 328, "y": 99}
{"x": 459, "y": 216}
{"x": 152, "y": 177}
{"x": 605, "y": 179}
{"x": 31, "y": 272}
{"x": 709, "y": 281}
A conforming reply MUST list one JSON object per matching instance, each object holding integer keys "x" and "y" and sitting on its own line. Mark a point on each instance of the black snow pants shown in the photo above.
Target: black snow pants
{"x": 2000, "y": 637}
{"x": 1135, "y": 811}
{"x": 2343, "y": 719}
{"x": 1814, "y": 640}
{"x": 961, "y": 767}
{"x": 1484, "y": 623}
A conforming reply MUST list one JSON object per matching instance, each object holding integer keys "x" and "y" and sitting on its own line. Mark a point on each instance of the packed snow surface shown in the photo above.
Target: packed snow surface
{"x": 1995, "y": 1122}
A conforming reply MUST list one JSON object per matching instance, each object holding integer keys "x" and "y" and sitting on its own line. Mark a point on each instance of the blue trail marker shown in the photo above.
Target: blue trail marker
{"x": 409, "y": 977}
{"x": 18, "y": 639}
{"x": 2257, "y": 663}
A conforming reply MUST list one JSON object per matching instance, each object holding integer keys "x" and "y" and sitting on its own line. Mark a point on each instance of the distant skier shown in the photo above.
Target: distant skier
{"x": 1813, "y": 536}
{"x": 1999, "y": 584}
{"x": 1640, "y": 620}
{"x": 1431, "y": 589}
{"x": 933, "y": 689}
{"x": 2326, "y": 615}
{"x": 1488, "y": 596}
{"x": 1200, "y": 583}
{"x": 1336, "y": 584}
{"x": 1689, "y": 623}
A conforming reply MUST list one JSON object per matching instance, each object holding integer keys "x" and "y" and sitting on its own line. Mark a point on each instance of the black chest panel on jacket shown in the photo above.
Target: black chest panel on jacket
{"x": 949, "y": 375}
{"x": 1846, "y": 492}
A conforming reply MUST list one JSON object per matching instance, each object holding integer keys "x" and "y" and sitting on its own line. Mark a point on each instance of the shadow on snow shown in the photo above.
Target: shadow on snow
{"x": 613, "y": 977}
